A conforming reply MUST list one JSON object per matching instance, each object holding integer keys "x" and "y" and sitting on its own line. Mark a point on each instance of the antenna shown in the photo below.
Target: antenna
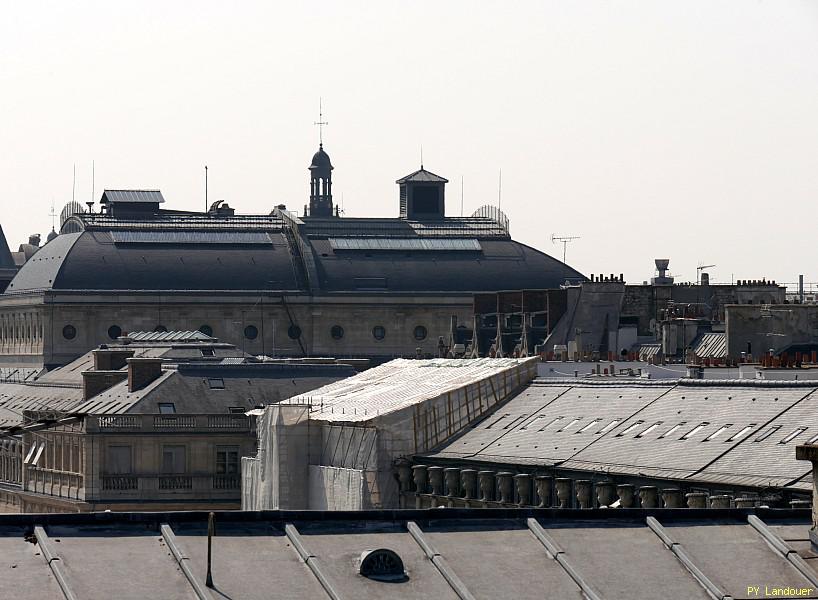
{"x": 499, "y": 189}
{"x": 93, "y": 180}
{"x": 206, "y": 207}
{"x": 74, "y": 183}
{"x": 563, "y": 239}
{"x": 461, "y": 195}
{"x": 320, "y": 122}
{"x": 52, "y": 214}
{"x": 421, "y": 156}
{"x": 699, "y": 270}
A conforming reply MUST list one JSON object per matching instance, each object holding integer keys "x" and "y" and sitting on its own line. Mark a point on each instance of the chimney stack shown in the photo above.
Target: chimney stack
{"x": 111, "y": 359}
{"x": 96, "y": 382}
{"x": 142, "y": 372}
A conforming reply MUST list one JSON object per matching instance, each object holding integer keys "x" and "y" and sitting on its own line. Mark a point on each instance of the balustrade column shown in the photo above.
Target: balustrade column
{"x": 436, "y": 482}
{"x": 584, "y": 488}
{"x": 522, "y": 482}
{"x": 720, "y": 501}
{"x": 544, "y": 485}
{"x": 649, "y": 496}
{"x": 626, "y": 493}
{"x": 420, "y": 477}
{"x": 605, "y": 493}
{"x": 696, "y": 500}
{"x": 505, "y": 485}
{"x": 672, "y": 498}
{"x": 452, "y": 476}
{"x": 563, "y": 485}
{"x": 486, "y": 482}
{"x": 468, "y": 478}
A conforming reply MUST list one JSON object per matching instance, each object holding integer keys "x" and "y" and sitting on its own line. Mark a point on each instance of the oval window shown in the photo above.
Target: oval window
{"x": 69, "y": 332}
{"x": 294, "y": 332}
{"x": 114, "y": 331}
{"x": 379, "y": 332}
{"x": 207, "y": 330}
{"x": 420, "y": 333}
{"x": 337, "y": 332}
{"x": 251, "y": 332}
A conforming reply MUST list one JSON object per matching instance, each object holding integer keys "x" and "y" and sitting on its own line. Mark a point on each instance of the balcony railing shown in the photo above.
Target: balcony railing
{"x": 168, "y": 423}
{"x": 175, "y": 482}
{"x": 174, "y": 421}
{"x": 120, "y": 483}
{"x": 226, "y": 482}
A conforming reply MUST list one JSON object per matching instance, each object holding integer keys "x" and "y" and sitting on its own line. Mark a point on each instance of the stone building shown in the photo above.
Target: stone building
{"x": 141, "y": 426}
{"x": 275, "y": 284}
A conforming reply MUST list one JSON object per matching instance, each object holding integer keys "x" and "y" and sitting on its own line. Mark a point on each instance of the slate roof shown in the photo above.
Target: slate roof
{"x": 211, "y": 388}
{"x": 637, "y": 428}
{"x": 131, "y": 197}
{"x": 170, "y": 336}
{"x": 6, "y": 260}
{"x": 422, "y": 176}
{"x": 445, "y": 553}
{"x": 711, "y": 345}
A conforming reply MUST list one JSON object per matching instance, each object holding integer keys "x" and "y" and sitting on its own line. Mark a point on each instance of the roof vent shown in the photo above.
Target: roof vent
{"x": 382, "y": 565}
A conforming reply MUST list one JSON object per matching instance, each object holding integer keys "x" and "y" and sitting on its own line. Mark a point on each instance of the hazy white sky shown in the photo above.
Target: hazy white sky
{"x": 686, "y": 130}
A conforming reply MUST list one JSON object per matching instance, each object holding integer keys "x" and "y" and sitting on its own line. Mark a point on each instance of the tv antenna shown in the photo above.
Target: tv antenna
{"x": 563, "y": 239}
{"x": 699, "y": 270}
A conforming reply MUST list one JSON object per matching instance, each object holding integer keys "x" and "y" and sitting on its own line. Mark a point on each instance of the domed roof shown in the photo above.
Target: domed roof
{"x": 51, "y": 235}
{"x": 320, "y": 160}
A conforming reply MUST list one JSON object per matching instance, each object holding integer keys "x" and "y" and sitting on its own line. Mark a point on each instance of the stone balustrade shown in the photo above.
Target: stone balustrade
{"x": 426, "y": 486}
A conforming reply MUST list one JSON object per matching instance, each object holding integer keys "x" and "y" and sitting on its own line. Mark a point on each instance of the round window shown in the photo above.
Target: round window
{"x": 379, "y": 332}
{"x": 251, "y": 332}
{"x": 69, "y": 332}
{"x": 114, "y": 331}
{"x": 207, "y": 330}
{"x": 294, "y": 332}
{"x": 337, "y": 332}
{"x": 420, "y": 333}
{"x": 160, "y": 329}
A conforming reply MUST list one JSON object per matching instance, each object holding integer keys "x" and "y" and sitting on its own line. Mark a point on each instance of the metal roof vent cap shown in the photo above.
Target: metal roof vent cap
{"x": 382, "y": 565}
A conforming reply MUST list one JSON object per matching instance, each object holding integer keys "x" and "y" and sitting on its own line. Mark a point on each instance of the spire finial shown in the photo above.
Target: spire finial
{"x": 320, "y": 122}
{"x": 421, "y": 157}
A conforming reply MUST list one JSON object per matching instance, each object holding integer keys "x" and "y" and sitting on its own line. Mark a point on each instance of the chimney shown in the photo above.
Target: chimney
{"x": 111, "y": 359}
{"x": 142, "y": 371}
{"x": 96, "y": 382}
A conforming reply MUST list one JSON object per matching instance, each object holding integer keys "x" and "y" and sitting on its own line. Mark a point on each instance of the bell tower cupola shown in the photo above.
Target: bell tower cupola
{"x": 320, "y": 175}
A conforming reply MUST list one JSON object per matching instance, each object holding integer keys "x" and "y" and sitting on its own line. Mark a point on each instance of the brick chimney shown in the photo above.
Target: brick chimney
{"x": 142, "y": 371}
{"x": 96, "y": 382}
{"x": 111, "y": 359}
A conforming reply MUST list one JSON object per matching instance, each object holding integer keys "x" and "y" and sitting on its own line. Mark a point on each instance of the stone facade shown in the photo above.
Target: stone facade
{"x": 134, "y": 462}
{"x": 62, "y": 327}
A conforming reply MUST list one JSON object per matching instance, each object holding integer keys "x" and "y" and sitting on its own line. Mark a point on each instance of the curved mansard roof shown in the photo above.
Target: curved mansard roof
{"x": 173, "y": 251}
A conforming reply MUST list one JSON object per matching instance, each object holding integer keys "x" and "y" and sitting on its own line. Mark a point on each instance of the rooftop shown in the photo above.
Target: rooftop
{"x": 740, "y": 433}
{"x": 438, "y": 553}
{"x": 398, "y": 384}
